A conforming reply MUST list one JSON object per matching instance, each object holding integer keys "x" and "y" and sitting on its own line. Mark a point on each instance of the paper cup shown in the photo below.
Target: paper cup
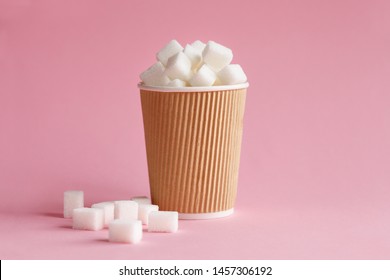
{"x": 193, "y": 142}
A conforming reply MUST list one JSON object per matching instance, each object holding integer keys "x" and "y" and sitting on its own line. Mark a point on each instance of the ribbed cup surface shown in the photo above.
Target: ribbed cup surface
{"x": 193, "y": 143}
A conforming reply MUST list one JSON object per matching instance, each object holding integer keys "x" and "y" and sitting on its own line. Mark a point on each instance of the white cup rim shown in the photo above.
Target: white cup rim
{"x": 192, "y": 89}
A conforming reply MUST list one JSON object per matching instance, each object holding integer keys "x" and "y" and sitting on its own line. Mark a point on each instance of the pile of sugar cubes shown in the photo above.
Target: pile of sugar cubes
{"x": 197, "y": 64}
{"x": 124, "y": 218}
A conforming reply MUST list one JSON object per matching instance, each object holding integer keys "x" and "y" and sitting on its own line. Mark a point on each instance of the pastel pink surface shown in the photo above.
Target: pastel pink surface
{"x": 315, "y": 168}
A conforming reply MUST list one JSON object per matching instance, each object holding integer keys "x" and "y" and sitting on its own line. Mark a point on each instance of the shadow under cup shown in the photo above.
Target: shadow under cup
{"x": 193, "y": 143}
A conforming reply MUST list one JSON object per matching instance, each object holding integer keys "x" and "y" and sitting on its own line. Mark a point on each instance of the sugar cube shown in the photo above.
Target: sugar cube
{"x": 108, "y": 211}
{"x": 199, "y": 45}
{"x": 232, "y": 74}
{"x": 126, "y": 231}
{"x": 204, "y": 77}
{"x": 72, "y": 200}
{"x": 144, "y": 210}
{"x": 126, "y": 209}
{"x": 88, "y": 218}
{"x": 169, "y": 50}
{"x": 194, "y": 55}
{"x": 154, "y": 75}
{"x": 141, "y": 199}
{"x": 163, "y": 221}
{"x": 217, "y": 56}
{"x": 179, "y": 67}
{"x": 177, "y": 83}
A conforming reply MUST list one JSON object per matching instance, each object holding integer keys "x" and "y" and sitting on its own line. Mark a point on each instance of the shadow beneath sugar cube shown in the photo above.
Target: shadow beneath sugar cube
{"x": 53, "y": 215}
{"x": 102, "y": 240}
{"x": 66, "y": 226}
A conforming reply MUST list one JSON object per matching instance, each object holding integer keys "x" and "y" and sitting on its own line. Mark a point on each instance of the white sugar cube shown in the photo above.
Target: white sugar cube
{"x": 204, "y": 77}
{"x": 144, "y": 210}
{"x": 163, "y": 221}
{"x": 72, "y": 200}
{"x": 126, "y": 231}
{"x": 232, "y": 74}
{"x": 141, "y": 199}
{"x": 179, "y": 67}
{"x": 126, "y": 209}
{"x": 194, "y": 55}
{"x": 199, "y": 45}
{"x": 217, "y": 56}
{"x": 170, "y": 49}
{"x": 108, "y": 211}
{"x": 88, "y": 218}
{"x": 177, "y": 83}
{"x": 155, "y": 76}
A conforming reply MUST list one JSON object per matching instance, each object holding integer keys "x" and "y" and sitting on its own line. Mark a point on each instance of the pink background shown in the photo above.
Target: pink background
{"x": 315, "y": 167}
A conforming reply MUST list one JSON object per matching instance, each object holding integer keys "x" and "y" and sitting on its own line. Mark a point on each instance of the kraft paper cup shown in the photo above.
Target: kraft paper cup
{"x": 193, "y": 142}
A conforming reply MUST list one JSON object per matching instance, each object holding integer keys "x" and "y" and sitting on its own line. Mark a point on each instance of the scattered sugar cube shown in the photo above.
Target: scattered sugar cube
{"x": 194, "y": 55}
{"x": 232, "y": 74}
{"x": 126, "y": 209}
{"x": 144, "y": 211}
{"x": 141, "y": 199}
{"x": 170, "y": 49}
{"x": 108, "y": 211}
{"x": 179, "y": 67}
{"x": 217, "y": 56}
{"x": 177, "y": 83}
{"x": 88, "y": 218}
{"x": 204, "y": 77}
{"x": 163, "y": 221}
{"x": 199, "y": 45}
{"x": 72, "y": 200}
{"x": 127, "y": 231}
{"x": 155, "y": 76}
